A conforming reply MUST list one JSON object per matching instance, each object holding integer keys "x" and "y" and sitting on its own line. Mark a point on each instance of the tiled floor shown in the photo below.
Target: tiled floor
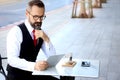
{"x": 96, "y": 38}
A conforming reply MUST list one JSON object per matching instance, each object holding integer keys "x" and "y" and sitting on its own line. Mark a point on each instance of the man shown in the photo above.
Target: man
{"x": 22, "y": 50}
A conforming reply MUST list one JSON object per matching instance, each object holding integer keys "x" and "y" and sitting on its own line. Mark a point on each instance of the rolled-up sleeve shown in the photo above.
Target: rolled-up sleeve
{"x": 48, "y": 49}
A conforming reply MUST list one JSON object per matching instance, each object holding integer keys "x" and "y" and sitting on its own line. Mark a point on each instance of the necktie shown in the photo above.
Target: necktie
{"x": 34, "y": 38}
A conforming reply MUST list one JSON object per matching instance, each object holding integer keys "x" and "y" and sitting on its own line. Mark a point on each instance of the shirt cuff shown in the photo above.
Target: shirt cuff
{"x": 31, "y": 66}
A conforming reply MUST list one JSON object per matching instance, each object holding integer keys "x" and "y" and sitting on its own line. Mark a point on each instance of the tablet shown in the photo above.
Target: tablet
{"x": 54, "y": 59}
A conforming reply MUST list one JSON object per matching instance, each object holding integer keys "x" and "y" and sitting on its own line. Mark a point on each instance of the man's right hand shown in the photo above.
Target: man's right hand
{"x": 41, "y": 34}
{"x": 41, "y": 65}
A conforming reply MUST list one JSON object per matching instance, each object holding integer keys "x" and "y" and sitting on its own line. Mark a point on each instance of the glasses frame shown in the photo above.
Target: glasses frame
{"x": 36, "y": 17}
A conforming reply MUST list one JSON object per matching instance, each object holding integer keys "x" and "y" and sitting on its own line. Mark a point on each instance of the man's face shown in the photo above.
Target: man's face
{"x": 35, "y": 17}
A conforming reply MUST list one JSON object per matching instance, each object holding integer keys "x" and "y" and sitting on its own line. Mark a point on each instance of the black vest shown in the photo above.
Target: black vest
{"x": 28, "y": 51}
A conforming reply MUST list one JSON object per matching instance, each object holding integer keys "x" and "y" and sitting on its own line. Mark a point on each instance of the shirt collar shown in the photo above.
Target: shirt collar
{"x": 29, "y": 27}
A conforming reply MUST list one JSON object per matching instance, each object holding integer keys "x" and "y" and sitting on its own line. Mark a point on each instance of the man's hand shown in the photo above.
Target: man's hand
{"x": 41, "y": 65}
{"x": 41, "y": 34}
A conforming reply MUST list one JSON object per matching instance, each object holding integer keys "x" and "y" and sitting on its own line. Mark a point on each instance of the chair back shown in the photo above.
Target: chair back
{"x": 1, "y": 67}
{"x": 0, "y": 62}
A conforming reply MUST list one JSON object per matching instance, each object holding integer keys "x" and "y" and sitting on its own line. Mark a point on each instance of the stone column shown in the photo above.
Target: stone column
{"x": 74, "y": 10}
{"x": 97, "y": 4}
{"x": 82, "y": 13}
{"x": 103, "y": 1}
{"x": 89, "y": 9}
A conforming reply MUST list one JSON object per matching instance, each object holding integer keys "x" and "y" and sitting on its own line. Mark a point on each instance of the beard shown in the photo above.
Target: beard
{"x": 36, "y": 25}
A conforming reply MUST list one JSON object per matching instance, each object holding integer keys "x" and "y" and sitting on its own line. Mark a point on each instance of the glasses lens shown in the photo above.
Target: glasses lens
{"x": 43, "y": 17}
{"x": 36, "y": 17}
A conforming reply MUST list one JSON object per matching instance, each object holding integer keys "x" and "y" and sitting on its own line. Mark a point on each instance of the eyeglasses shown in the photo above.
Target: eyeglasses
{"x": 36, "y": 17}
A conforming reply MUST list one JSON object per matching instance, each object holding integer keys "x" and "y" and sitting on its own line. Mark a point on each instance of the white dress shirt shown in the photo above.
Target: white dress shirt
{"x": 14, "y": 40}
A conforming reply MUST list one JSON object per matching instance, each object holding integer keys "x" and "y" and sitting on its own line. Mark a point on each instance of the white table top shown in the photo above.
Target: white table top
{"x": 77, "y": 70}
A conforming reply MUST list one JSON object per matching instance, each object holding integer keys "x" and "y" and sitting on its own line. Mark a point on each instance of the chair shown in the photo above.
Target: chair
{"x": 1, "y": 67}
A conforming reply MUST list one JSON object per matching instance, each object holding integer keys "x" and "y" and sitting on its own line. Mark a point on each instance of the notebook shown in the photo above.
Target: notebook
{"x": 54, "y": 59}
